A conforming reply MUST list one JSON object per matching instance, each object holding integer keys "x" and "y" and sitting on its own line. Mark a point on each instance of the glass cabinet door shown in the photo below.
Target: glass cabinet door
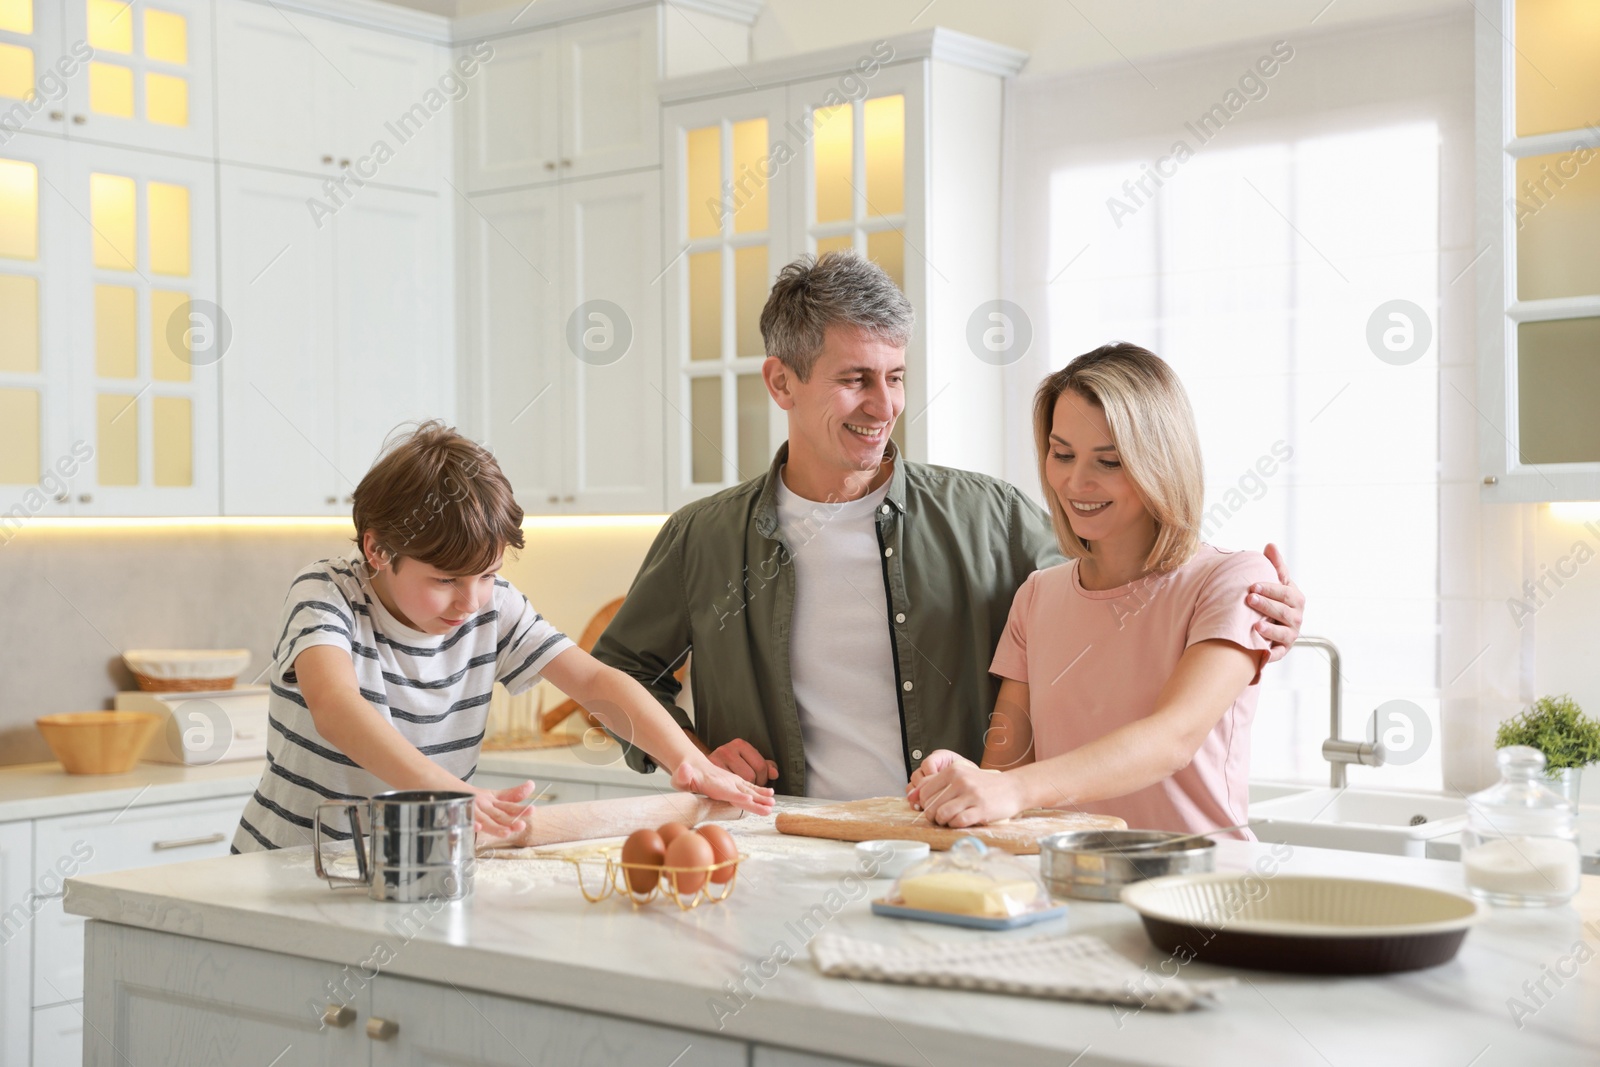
{"x": 36, "y": 467}
{"x": 35, "y": 68}
{"x": 733, "y": 162}
{"x": 148, "y": 84}
{"x": 1550, "y": 161}
{"x": 144, "y": 379}
{"x": 858, "y": 192}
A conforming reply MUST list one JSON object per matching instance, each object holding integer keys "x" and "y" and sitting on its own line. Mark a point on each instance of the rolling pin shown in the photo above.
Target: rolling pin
{"x": 559, "y": 823}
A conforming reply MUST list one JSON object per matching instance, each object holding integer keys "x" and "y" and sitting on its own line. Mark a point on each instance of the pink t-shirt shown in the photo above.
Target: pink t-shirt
{"x": 1096, "y": 660}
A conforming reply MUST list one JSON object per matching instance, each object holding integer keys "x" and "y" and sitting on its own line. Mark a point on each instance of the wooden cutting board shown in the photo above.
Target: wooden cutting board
{"x": 879, "y": 817}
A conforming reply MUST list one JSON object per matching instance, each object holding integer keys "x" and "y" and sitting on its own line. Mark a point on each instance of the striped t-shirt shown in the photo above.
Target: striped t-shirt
{"x": 433, "y": 688}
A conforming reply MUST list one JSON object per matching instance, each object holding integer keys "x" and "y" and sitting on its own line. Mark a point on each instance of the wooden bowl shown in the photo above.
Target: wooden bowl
{"x": 98, "y": 742}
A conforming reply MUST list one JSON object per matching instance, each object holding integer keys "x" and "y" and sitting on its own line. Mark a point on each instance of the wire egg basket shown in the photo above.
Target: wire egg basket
{"x": 602, "y": 874}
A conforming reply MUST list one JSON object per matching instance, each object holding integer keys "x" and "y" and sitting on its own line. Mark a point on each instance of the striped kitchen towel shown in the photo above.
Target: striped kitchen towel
{"x": 1074, "y": 967}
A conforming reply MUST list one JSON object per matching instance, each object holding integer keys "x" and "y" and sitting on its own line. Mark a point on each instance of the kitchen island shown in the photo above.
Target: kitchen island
{"x": 242, "y": 959}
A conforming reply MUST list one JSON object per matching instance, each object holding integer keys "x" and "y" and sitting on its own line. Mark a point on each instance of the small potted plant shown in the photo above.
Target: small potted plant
{"x": 1569, "y": 739}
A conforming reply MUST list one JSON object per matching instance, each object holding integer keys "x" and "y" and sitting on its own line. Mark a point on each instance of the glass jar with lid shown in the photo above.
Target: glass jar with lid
{"x": 1520, "y": 847}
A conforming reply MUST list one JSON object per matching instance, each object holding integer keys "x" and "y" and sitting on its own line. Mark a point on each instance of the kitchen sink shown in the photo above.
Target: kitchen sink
{"x": 1359, "y": 820}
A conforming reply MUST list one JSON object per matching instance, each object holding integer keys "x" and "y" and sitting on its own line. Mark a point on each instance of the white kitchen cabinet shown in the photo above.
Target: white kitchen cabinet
{"x": 570, "y": 101}
{"x": 107, "y": 387}
{"x": 234, "y": 1007}
{"x": 33, "y": 90}
{"x": 340, "y": 330}
{"x": 16, "y": 941}
{"x": 563, "y": 320}
{"x": 1538, "y": 274}
{"x": 891, "y": 148}
{"x": 434, "y": 1027}
{"x": 351, "y": 104}
{"x": 58, "y": 1035}
{"x": 149, "y": 84}
{"x": 111, "y": 841}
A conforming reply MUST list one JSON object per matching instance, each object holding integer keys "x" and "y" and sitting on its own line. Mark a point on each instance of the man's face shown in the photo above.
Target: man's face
{"x": 842, "y": 416}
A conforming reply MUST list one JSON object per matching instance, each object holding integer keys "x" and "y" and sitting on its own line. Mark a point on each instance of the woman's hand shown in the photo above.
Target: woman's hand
{"x": 963, "y": 794}
{"x": 699, "y": 775}
{"x": 937, "y": 760}
{"x": 499, "y": 814}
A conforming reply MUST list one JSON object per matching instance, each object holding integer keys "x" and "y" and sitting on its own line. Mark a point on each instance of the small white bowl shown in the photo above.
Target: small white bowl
{"x": 886, "y": 858}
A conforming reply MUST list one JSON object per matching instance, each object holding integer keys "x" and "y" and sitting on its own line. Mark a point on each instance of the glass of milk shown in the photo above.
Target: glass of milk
{"x": 1520, "y": 847}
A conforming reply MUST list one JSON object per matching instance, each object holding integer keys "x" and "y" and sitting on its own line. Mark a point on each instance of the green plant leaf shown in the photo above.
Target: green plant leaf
{"x": 1557, "y": 727}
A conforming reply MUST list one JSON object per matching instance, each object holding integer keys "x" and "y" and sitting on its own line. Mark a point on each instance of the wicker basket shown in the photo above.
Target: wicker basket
{"x": 186, "y": 670}
{"x": 182, "y": 685}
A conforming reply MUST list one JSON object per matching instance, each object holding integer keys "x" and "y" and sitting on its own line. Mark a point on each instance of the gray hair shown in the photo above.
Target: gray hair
{"x": 840, "y": 289}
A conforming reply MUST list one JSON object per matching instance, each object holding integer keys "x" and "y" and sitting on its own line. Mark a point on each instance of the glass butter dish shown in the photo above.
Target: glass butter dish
{"x": 970, "y": 885}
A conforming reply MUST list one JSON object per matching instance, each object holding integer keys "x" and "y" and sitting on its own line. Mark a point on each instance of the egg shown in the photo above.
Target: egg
{"x": 687, "y": 850}
{"x": 671, "y": 831}
{"x": 643, "y": 847}
{"x": 722, "y": 848}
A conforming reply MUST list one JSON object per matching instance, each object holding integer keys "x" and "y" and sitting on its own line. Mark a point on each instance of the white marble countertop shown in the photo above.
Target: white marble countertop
{"x": 527, "y": 933}
{"x": 602, "y": 764}
{"x": 43, "y": 790}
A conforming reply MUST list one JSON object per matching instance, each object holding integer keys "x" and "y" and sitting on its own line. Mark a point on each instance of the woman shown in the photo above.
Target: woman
{"x": 1128, "y": 674}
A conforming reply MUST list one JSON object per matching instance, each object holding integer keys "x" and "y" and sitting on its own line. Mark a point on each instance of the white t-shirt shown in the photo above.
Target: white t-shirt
{"x": 840, "y": 655}
{"x": 433, "y": 688}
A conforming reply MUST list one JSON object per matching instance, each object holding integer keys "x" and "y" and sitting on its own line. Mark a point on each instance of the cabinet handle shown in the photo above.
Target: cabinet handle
{"x": 349, "y": 498}
{"x": 78, "y": 120}
{"x": 568, "y": 499}
{"x": 189, "y": 842}
{"x": 331, "y": 500}
{"x": 57, "y": 116}
{"x": 382, "y": 1029}
{"x": 344, "y": 162}
{"x": 85, "y": 498}
{"x": 327, "y": 159}
{"x": 61, "y": 498}
{"x": 555, "y": 499}
{"x": 549, "y": 164}
{"x": 340, "y": 1015}
{"x": 566, "y": 162}
{"x": 1489, "y": 479}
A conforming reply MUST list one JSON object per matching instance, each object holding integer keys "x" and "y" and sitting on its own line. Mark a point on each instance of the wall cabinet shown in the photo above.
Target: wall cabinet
{"x": 107, "y": 287}
{"x": 1539, "y": 278}
{"x": 348, "y": 103}
{"x": 339, "y": 335}
{"x": 891, "y": 149}
{"x": 585, "y": 103}
{"x": 122, "y": 72}
{"x": 563, "y": 316}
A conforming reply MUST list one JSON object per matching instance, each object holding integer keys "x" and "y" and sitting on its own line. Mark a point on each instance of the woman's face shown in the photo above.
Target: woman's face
{"x": 1086, "y": 473}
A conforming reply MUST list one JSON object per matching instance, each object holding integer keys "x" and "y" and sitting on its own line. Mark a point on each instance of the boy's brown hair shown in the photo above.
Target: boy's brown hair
{"x": 438, "y": 497}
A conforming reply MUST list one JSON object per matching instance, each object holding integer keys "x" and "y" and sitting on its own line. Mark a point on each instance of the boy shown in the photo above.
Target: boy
{"x": 384, "y": 664}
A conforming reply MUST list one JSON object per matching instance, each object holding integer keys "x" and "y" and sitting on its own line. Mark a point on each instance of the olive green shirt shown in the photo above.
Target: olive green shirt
{"x": 719, "y": 582}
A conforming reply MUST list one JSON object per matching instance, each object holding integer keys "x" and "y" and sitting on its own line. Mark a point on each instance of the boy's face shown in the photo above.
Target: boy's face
{"x": 428, "y": 599}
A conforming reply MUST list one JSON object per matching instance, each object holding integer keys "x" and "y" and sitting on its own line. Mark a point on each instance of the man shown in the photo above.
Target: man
{"x": 842, "y": 608}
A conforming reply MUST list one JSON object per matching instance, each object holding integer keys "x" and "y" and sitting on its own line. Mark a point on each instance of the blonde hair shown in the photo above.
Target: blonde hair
{"x": 1153, "y": 428}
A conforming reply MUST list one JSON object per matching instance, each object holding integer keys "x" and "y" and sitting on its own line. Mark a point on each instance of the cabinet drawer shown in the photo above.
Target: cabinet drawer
{"x": 547, "y": 790}
{"x": 93, "y": 843}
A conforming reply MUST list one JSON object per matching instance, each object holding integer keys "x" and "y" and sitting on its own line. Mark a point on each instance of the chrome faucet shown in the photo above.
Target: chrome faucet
{"x": 1336, "y": 750}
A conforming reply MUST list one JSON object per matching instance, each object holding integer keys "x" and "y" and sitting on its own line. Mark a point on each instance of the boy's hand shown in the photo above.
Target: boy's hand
{"x": 499, "y": 813}
{"x": 700, "y": 775}
{"x": 964, "y": 794}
